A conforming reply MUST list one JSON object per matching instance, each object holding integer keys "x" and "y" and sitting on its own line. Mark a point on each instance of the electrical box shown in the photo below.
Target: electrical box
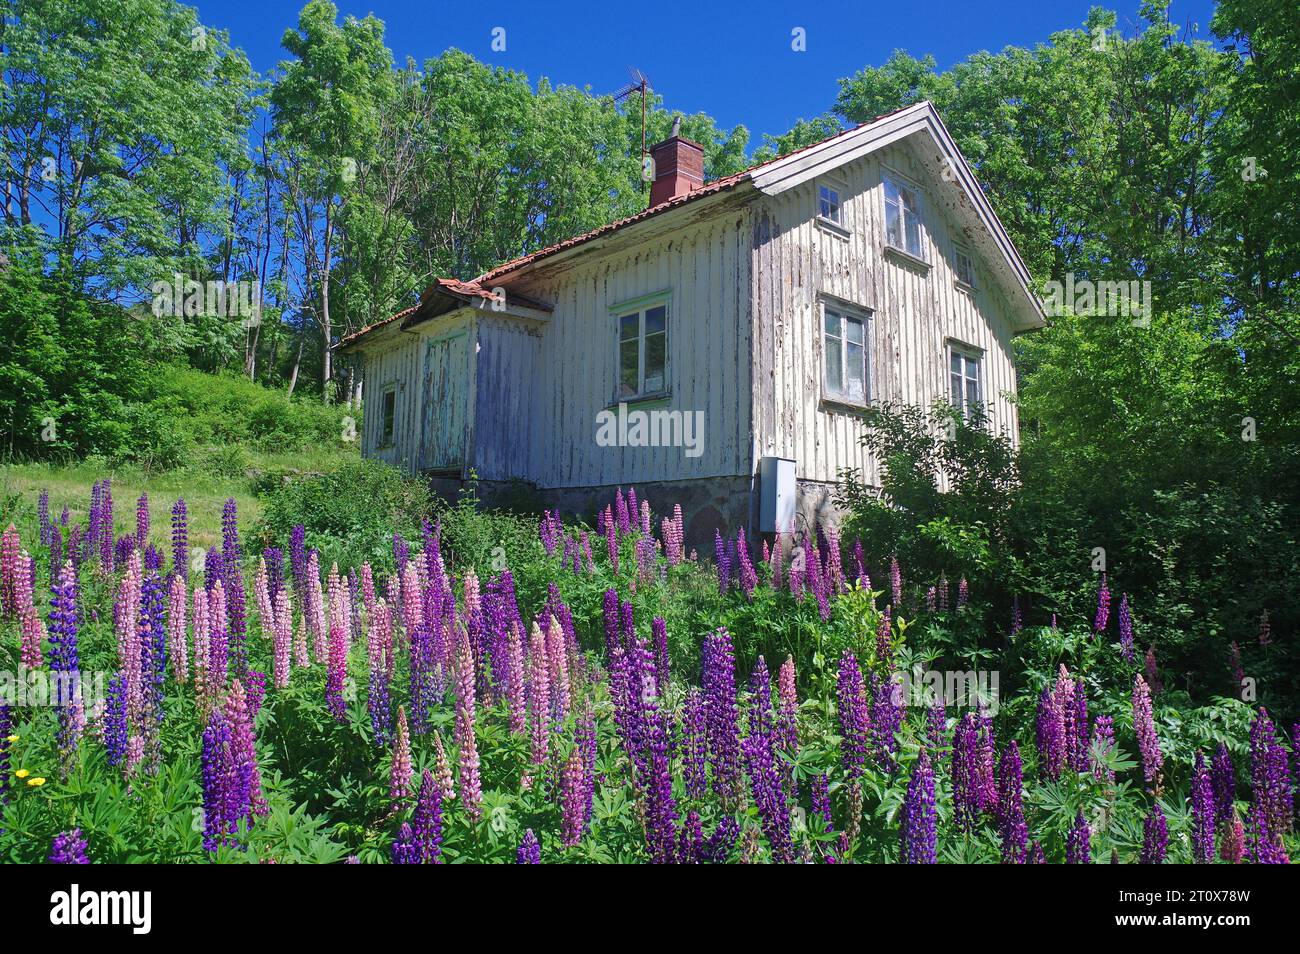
{"x": 776, "y": 494}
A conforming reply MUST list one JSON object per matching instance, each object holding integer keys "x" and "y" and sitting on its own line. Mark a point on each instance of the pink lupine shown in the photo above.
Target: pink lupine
{"x": 282, "y": 636}
{"x": 895, "y": 581}
{"x": 177, "y": 637}
{"x": 33, "y": 630}
{"x": 777, "y": 559}
{"x": 748, "y": 576}
{"x": 368, "y": 588}
{"x": 611, "y": 539}
{"x": 262, "y": 596}
{"x": 557, "y": 665}
{"x": 399, "y": 775}
{"x": 243, "y": 749}
{"x": 672, "y": 534}
{"x": 340, "y": 606}
{"x": 516, "y": 699}
{"x": 23, "y": 578}
{"x": 301, "y": 658}
{"x": 442, "y": 769}
{"x": 884, "y": 641}
{"x": 218, "y": 639}
{"x": 539, "y": 699}
{"x": 786, "y": 723}
{"x": 470, "y": 787}
{"x": 645, "y": 517}
{"x": 9, "y": 547}
{"x": 202, "y": 628}
{"x": 337, "y": 674}
{"x": 1144, "y": 727}
{"x": 125, "y": 609}
{"x": 573, "y": 799}
{"x": 835, "y": 563}
{"x": 315, "y": 611}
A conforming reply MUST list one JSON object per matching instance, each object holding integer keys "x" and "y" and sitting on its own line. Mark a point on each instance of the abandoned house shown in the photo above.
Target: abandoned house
{"x": 717, "y": 349}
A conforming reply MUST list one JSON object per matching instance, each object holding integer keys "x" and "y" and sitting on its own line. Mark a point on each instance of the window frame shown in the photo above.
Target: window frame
{"x": 899, "y": 181}
{"x": 971, "y": 356}
{"x": 640, "y": 307}
{"x": 836, "y": 188}
{"x": 959, "y": 252}
{"x": 845, "y": 311}
{"x": 387, "y": 424}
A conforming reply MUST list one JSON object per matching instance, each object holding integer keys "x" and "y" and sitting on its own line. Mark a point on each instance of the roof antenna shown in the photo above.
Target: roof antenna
{"x": 640, "y": 83}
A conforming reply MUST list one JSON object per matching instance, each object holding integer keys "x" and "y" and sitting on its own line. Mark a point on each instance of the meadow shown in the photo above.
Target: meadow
{"x": 494, "y": 688}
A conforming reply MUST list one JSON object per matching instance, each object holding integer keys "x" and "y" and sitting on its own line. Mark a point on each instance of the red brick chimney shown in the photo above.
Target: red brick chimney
{"x": 678, "y": 166}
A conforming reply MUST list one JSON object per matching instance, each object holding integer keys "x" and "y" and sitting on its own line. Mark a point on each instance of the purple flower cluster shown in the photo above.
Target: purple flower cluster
{"x": 854, "y": 718}
{"x": 722, "y": 714}
{"x": 1155, "y": 837}
{"x": 1202, "y": 813}
{"x": 918, "y": 836}
{"x": 1078, "y": 842}
{"x": 1010, "y": 811}
{"x": 69, "y": 848}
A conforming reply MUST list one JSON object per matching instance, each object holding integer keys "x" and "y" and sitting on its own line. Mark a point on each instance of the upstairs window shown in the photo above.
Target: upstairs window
{"x": 902, "y": 217}
{"x": 828, "y": 204}
{"x": 642, "y": 351}
{"x": 965, "y": 377}
{"x": 963, "y": 268}
{"x": 844, "y": 343}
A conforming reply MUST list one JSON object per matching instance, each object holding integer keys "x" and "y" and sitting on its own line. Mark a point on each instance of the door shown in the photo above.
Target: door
{"x": 446, "y": 403}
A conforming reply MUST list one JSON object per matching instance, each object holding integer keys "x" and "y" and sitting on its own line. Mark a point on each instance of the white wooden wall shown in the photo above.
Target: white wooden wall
{"x": 914, "y": 313}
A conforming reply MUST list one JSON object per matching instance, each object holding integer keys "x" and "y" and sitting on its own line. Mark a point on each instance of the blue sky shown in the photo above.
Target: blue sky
{"x": 732, "y": 60}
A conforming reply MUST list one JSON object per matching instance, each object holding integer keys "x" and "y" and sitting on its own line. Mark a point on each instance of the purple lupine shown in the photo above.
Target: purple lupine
{"x": 895, "y": 581}
{"x": 659, "y": 636}
{"x": 43, "y": 517}
{"x": 660, "y": 809}
{"x": 142, "y": 521}
{"x": 180, "y": 539}
{"x": 963, "y": 594}
{"x": 723, "y": 562}
{"x": 722, "y": 713}
{"x": 918, "y": 819}
{"x": 1049, "y": 730}
{"x": 298, "y": 560}
{"x": 1152, "y": 673}
{"x": 1271, "y": 796}
{"x": 967, "y": 787}
{"x": 1103, "y": 742}
{"x": 1078, "y": 846}
{"x": 530, "y": 851}
{"x": 695, "y": 748}
{"x": 748, "y": 576}
{"x": 1036, "y": 856}
{"x": 936, "y": 726}
{"x": 1234, "y": 663}
{"x": 403, "y": 850}
{"x": 1017, "y": 620}
{"x": 1011, "y": 810}
{"x": 1126, "y": 631}
{"x": 6, "y": 730}
{"x": 1079, "y": 726}
{"x": 1224, "y": 779}
{"x": 886, "y": 719}
{"x": 115, "y": 725}
{"x": 1155, "y": 837}
{"x": 66, "y": 664}
{"x": 884, "y": 641}
{"x": 853, "y": 716}
{"x": 106, "y": 525}
{"x": 69, "y": 848}
{"x": 1103, "y": 606}
{"x": 573, "y": 799}
{"x": 817, "y": 581}
{"x": 612, "y": 640}
{"x": 760, "y": 687}
{"x": 1144, "y": 726}
{"x": 821, "y": 800}
{"x": 220, "y": 814}
{"x": 1202, "y": 813}
{"x": 769, "y": 798}
{"x": 426, "y": 822}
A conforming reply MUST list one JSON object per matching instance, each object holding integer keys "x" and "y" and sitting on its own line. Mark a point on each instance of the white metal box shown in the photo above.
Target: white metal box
{"x": 776, "y": 494}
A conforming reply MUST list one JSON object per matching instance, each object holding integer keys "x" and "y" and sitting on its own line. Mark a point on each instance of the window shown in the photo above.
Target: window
{"x": 844, "y": 339}
{"x": 642, "y": 351}
{"x": 962, "y": 267}
{"x": 902, "y": 217}
{"x": 828, "y": 204}
{"x": 387, "y": 416}
{"x": 966, "y": 387}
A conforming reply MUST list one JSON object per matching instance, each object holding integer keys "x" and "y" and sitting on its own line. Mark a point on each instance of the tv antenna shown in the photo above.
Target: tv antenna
{"x": 640, "y": 83}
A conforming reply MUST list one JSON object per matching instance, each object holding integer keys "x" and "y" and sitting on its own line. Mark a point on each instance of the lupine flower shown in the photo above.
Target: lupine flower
{"x": 918, "y": 819}
{"x": 1126, "y": 631}
{"x": 1152, "y": 673}
{"x": 1145, "y": 727}
{"x": 1202, "y": 813}
{"x": 884, "y": 641}
{"x": 1078, "y": 849}
{"x": 1036, "y": 856}
{"x": 115, "y": 724}
{"x": 1050, "y": 734}
{"x": 1233, "y": 846}
{"x": 748, "y": 576}
{"x": 936, "y": 725}
{"x": 404, "y": 851}
{"x": 243, "y": 751}
{"x": 1103, "y": 740}
{"x": 426, "y": 822}
{"x": 886, "y": 719}
{"x": 723, "y": 562}
{"x": 1234, "y": 661}
{"x": 963, "y": 594}
{"x": 530, "y": 852}
{"x": 1155, "y": 837}
{"x": 336, "y": 678}
{"x": 769, "y": 799}
{"x": 442, "y": 769}
{"x": 895, "y": 581}
{"x": 968, "y": 788}
{"x": 9, "y": 550}
{"x": 399, "y": 776}
{"x": 1017, "y": 621}
{"x": 1271, "y": 796}
{"x": 221, "y": 812}
{"x": 33, "y": 635}
{"x": 65, "y": 661}
{"x": 573, "y": 785}
{"x": 6, "y": 730}
{"x": 1103, "y": 606}
{"x": 787, "y": 730}
{"x": 69, "y": 848}
{"x": 1011, "y": 813}
{"x": 1264, "y": 629}
{"x": 821, "y": 801}
{"x": 760, "y": 688}
{"x": 853, "y": 716}
{"x": 470, "y": 788}
{"x": 612, "y": 640}
{"x": 722, "y": 713}
{"x": 660, "y": 808}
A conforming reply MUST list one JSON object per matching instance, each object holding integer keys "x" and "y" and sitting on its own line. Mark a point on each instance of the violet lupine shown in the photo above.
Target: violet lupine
{"x": 6, "y": 731}
{"x": 1234, "y": 662}
{"x": 530, "y": 851}
{"x": 1152, "y": 673}
{"x": 1202, "y": 813}
{"x": 243, "y": 752}
{"x": 854, "y": 720}
{"x": 516, "y": 696}
{"x": 69, "y": 848}
{"x": 694, "y": 743}
{"x": 722, "y": 560}
{"x": 886, "y": 719}
{"x": 620, "y": 511}
{"x": 1144, "y": 727}
{"x": 816, "y": 579}
{"x": 820, "y": 797}
{"x": 1017, "y": 620}
{"x": 403, "y": 850}
{"x": 1265, "y": 637}
{"x": 918, "y": 836}
{"x": 1078, "y": 842}
{"x": 379, "y": 648}
{"x": 660, "y": 808}
{"x": 610, "y": 606}
{"x": 43, "y": 517}
{"x": 9, "y": 549}
{"x": 1103, "y": 745}
{"x": 573, "y": 799}
{"x": 115, "y": 724}
{"x": 768, "y": 796}
{"x": 760, "y": 688}
{"x": 65, "y": 662}
{"x": 1049, "y": 730}
{"x": 1155, "y": 837}
{"x": 220, "y": 810}
{"x": 659, "y": 636}
{"x": 1271, "y": 796}
{"x": 748, "y": 576}
{"x": 1224, "y": 779}
{"x": 142, "y": 521}
{"x": 884, "y": 641}
{"x": 1011, "y": 810}
{"x": 936, "y": 726}
{"x": 722, "y": 713}
{"x": 399, "y": 773}
{"x": 895, "y": 581}
{"x": 1126, "y": 631}
{"x": 471, "y": 791}
{"x": 611, "y": 541}
{"x": 1103, "y": 607}
{"x": 426, "y": 822}
{"x": 337, "y": 675}
{"x": 218, "y": 664}
{"x": 967, "y": 785}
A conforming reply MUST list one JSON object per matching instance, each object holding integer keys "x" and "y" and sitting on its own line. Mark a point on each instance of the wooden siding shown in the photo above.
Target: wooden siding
{"x": 915, "y": 312}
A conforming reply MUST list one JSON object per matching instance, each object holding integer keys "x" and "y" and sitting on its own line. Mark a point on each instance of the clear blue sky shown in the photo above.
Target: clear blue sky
{"x": 732, "y": 60}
